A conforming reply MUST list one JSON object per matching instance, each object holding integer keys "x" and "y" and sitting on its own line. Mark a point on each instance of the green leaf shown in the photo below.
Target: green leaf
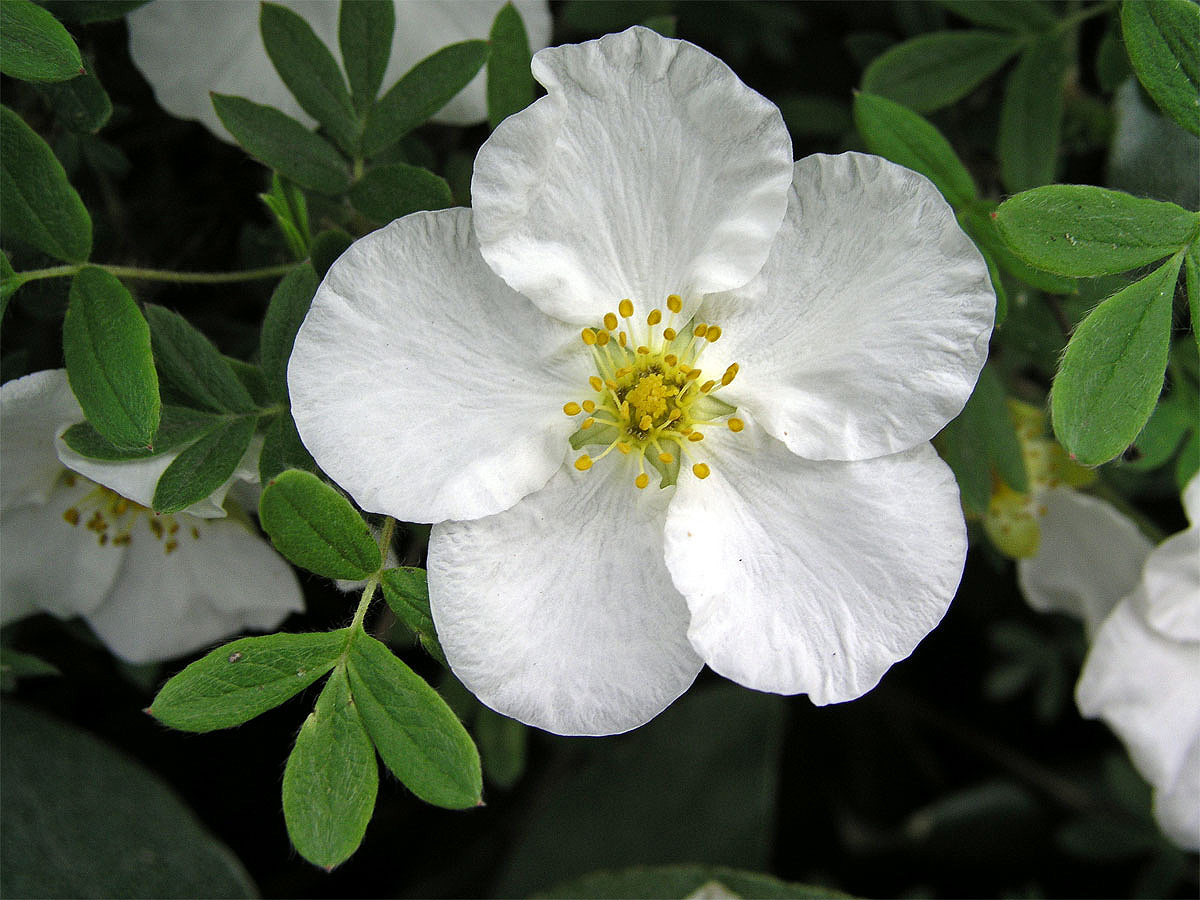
{"x": 1172, "y": 419}
{"x": 1080, "y": 230}
{"x": 502, "y": 747}
{"x": 509, "y": 80}
{"x": 10, "y": 282}
{"x": 84, "y": 820}
{"x": 314, "y": 526}
{"x": 814, "y": 115}
{"x": 34, "y": 46}
{"x": 681, "y": 881}
{"x": 423, "y": 90}
{"x": 1163, "y": 42}
{"x": 310, "y": 72}
{"x": 331, "y": 778}
{"x": 288, "y": 307}
{"x": 287, "y": 204}
{"x": 177, "y": 426}
{"x": 365, "y": 29}
{"x": 106, "y": 344}
{"x": 1112, "y": 372}
{"x": 245, "y": 678}
{"x": 406, "y": 591}
{"x": 1011, "y": 15}
{"x": 416, "y": 734}
{"x": 1191, "y": 264}
{"x": 192, "y": 367}
{"x": 327, "y": 247}
{"x": 15, "y": 665}
{"x": 204, "y": 466}
{"x": 283, "y": 144}
{"x": 977, "y": 221}
{"x": 81, "y": 104}
{"x": 899, "y": 134}
{"x": 1031, "y": 117}
{"x": 389, "y": 192}
{"x": 40, "y": 206}
{"x": 282, "y": 449}
{"x": 935, "y": 70}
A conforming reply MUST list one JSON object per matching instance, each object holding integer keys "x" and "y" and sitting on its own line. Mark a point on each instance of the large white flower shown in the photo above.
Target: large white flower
{"x": 751, "y": 354}
{"x": 187, "y": 48}
{"x": 1142, "y": 676}
{"x": 77, "y": 539}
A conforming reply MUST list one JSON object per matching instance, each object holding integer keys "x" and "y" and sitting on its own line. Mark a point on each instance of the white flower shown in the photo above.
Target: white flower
{"x": 644, "y": 208}
{"x": 1142, "y": 676}
{"x": 78, "y": 540}
{"x": 187, "y": 48}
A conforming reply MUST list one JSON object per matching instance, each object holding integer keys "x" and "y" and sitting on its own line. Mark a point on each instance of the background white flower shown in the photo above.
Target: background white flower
{"x": 187, "y": 48}
{"x": 820, "y": 537}
{"x": 76, "y": 540}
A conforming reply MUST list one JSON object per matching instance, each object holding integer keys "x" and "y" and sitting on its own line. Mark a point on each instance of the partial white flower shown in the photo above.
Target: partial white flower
{"x": 77, "y": 539}
{"x": 770, "y": 344}
{"x": 187, "y": 48}
{"x": 1142, "y": 676}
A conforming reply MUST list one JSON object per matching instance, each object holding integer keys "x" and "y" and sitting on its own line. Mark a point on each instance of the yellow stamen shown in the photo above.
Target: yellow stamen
{"x": 641, "y": 481}
{"x": 713, "y": 333}
{"x": 589, "y": 336}
{"x": 665, "y": 457}
{"x": 596, "y": 382}
{"x": 696, "y": 436}
{"x": 707, "y": 386}
{"x": 625, "y": 308}
{"x": 583, "y": 463}
{"x": 700, "y": 330}
{"x": 572, "y": 408}
{"x": 730, "y": 374}
{"x": 655, "y": 317}
{"x": 669, "y": 334}
{"x": 589, "y": 406}
{"x": 587, "y": 423}
{"x": 645, "y": 423}
{"x": 674, "y": 303}
{"x": 735, "y": 425}
{"x": 602, "y": 338}
{"x": 700, "y": 470}
{"x": 610, "y": 321}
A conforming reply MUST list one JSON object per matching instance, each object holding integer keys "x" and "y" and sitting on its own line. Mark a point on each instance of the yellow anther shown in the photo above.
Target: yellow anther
{"x": 655, "y": 317}
{"x": 623, "y": 371}
{"x": 610, "y": 321}
{"x": 72, "y": 516}
{"x": 700, "y": 330}
{"x": 596, "y": 382}
{"x": 669, "y": 334}
{"x": 674, "y": 303}
{"x": 671, "y": 359}
{"x": 122, "y": 540}
{"x": 624, "y": 448}
{"x": 589, "y": 336}
{"x": 583, "y": 463}
{"x": 730, "y": 373}
{"x": 735, "y": 425}
{"x": 643, "y": 351}
{"x": 713, "y": 333}
{"x": 625, "y": 308}
{"x": 700, "y": 470}
{"x": 696, "y": 436}
{"x": 666, "y": 457}
{"x": 610, "y": 384}
{"x": 622, "y": 339}
{"x": 645, "y": 423}
{"x": 169, "y": 546}
{"x": 675, "y": 414}
{"x": 693, "y": 374}
{"x": 172, "y": 526}
{"x": 587, "y": 423}
{"x": 572, "y": 408}
{"x": 589, "y": 406}
{"x": 121, "y": 507}
{"x": 602, "y": 338}
{"x": 641, "y": 481}
{"x": 707, "y": 386}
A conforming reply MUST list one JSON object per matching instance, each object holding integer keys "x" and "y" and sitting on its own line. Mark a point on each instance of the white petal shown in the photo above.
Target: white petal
{"x": 1145, "y": 686}
{"x": 813, "y": 577}
{"x": 50, "y": 565}
{"x": 426, "y": 387}
{"x": 559, "y": 612}
{"x": 208, "y": 588}
{"x": 865, "y": 332}
{"x": 187, "y": 49}
{"x": 1191, "y": 500}
{"x": 1089, "y": 557}
{"x": 648, "y": 170}
{"x": 136, "y": 479}
{"x": 33, "y": 408}
{"x": 1169, "y": 595}
{"x": 424, "y": 26}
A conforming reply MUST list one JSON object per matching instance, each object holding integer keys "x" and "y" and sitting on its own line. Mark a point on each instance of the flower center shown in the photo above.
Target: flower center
{"x": 112, "y": 518}
{"x": 650, "y": 399}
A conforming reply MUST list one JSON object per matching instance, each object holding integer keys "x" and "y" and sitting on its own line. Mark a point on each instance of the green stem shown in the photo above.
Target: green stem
{"x": 1072, "y": 20}
{"x": 158, "y": 274}
{"x": 385, "y": 541}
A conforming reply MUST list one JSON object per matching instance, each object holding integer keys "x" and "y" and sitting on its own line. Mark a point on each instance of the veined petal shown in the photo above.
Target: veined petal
{"x": 865, "y": 331}
{"x": 1143, "y": 684}
{"x": 1089, "y": 557}
{"x": 559, "y": 612}
{"x": 423, "y": 385}
{"x": 1169, "y": 595}
{"x": 50, "y": 565}
{"x": 219, "y": 580}
{"x": 648, "y": 170}
{"x": 33, "y": 408}
{"x": 813, "y": 577}
{"x": 187, "y": 49}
